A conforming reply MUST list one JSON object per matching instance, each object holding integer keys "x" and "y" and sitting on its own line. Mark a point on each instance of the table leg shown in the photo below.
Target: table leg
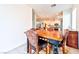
{"x": 30, "y": 48}
{"x": 55, "y": 49}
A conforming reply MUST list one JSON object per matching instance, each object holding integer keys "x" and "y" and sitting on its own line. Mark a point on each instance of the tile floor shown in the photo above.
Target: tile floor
{"x": 22, "y": 50}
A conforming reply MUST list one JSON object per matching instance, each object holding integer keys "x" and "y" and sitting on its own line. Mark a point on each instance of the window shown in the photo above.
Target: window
{"x": 74, "y": 19}
{"x": 67, "y": 19}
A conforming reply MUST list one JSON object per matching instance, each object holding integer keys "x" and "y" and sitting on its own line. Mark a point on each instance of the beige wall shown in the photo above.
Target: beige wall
{"x": 77, "y": 20}
{"x": 14, "y": 20}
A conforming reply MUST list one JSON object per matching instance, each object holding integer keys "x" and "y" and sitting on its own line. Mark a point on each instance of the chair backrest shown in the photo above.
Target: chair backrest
{"x": 65, "y": 37}
{"x": 32, "y": 37}
{"x": 66, "y": 34}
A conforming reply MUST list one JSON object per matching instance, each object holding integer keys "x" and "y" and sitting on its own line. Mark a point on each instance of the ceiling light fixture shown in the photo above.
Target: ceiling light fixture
{"x": 53, "y": 5}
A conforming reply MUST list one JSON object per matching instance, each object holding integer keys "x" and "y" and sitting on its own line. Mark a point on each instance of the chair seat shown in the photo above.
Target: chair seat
{"x": 42, "y": 43}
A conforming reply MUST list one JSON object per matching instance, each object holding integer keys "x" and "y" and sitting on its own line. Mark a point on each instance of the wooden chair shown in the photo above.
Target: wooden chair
{"x": 34, "y": 42}
{"x": 63, "y": 43}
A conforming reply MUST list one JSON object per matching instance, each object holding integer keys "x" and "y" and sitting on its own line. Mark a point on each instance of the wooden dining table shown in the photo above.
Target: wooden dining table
{"x": 52, "y": 37}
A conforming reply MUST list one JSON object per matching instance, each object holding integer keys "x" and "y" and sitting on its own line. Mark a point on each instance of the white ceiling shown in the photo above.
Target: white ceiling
{"x": 47, "y": 10}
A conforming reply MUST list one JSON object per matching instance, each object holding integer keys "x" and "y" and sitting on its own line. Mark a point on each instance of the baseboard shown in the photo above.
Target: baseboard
{"x": 15, "y": 48}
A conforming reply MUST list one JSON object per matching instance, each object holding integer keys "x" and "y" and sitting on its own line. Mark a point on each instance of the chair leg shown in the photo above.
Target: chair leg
{"x": 48, "y": 49}
{"x": 64, "y": 48}
{"x": 37, "y": 50}
{"x": 27, "y": 45}
{"x": 30, "y": 49}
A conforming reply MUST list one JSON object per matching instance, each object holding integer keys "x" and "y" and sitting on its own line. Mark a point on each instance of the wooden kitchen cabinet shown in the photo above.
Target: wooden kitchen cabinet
{"x": 72, "y": 40}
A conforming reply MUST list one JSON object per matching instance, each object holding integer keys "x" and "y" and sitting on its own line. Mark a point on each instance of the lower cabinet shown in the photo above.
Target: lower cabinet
{"x": 73, "y": 39}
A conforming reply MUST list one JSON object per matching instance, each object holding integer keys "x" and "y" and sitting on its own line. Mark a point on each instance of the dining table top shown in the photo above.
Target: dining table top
{"x": 54, "y": 35}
